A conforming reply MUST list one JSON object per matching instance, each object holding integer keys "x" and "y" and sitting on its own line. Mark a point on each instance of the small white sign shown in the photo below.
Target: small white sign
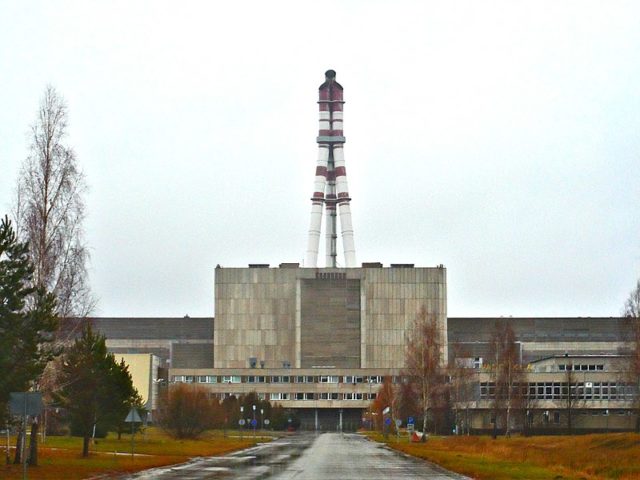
{"x": 386, "y": 410}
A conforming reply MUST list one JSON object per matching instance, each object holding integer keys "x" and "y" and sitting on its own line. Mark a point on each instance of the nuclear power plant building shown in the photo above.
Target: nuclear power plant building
{"x": 321, "y": 339}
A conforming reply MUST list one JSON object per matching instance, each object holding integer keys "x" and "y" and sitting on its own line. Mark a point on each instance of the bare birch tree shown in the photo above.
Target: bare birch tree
{"x": 569, "y": 393}
{"x": 506, "y": 373}
{"x": 50, "y": 210}
{"x": 422, "y": 361}
{"x": 461, "y": 382}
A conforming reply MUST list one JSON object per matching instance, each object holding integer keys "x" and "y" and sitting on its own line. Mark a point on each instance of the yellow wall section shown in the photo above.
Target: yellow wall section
{"x": 140, "y": 370}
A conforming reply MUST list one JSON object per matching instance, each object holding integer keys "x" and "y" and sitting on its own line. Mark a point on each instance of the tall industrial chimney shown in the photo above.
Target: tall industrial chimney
{"x": 330, "y": 186}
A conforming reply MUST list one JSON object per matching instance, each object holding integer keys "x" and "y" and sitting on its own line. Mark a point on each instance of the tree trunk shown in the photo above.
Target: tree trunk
{"x": 18, "y": 457}
{"x": 85, "y": 445}
{"x": 33, "y": 444}
{"x": 494, "y": 433}
{"x": 424, "y": 421}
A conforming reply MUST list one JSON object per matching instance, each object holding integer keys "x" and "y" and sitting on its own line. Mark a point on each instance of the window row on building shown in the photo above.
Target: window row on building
{"x": 348, "y": 379}
{"x": 276, "y": 396}
{"x": 564, "y": 391}
{"x": 581, "y": 367}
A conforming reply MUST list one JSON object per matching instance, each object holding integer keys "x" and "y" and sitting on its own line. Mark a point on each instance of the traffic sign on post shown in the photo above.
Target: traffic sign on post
{"x": 410, "y": 420}
{"x": 387, "y": 421}
{"x": 241, "y": 422}
{"x": 133, "y": 416}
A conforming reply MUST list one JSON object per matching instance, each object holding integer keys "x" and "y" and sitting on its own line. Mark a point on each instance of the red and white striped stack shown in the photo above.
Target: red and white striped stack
{"x": 330, "y": 186}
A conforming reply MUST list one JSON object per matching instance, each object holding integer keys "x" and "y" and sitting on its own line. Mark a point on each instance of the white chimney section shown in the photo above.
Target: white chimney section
{"x": 331, "y": 179}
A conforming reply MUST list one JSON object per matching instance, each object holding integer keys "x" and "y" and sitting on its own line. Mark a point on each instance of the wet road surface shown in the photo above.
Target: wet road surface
{"x": 352, "y": 456}
{"x": 304, "y": 456}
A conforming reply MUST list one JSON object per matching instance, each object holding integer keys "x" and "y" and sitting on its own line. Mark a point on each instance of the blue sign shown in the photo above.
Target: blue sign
{"x": 387, "y": 421}
{"x": 410, "y": 420}
{"x": 254, "y": 422}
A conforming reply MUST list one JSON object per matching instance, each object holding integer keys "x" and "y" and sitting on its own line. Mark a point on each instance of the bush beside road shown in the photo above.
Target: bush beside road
{"x": 586, "y": 457}
{"x": 60, "y": 457}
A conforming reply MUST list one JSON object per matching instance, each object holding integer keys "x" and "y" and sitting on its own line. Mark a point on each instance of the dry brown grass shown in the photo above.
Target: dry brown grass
{"x": 588, "y": 457}
{"x": 61, "y": 457}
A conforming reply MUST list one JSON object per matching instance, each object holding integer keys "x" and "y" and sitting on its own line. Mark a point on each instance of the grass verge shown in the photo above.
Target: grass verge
{"x": 585, "y": 457}
{"x": 60, "y": 457}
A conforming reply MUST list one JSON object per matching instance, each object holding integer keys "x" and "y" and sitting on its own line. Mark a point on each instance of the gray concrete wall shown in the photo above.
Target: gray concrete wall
{"x": 391, "y": 301}
{"x": 330, "y": 322}
{"x": 255, "y": 316}
{"x": 308, "y": 316}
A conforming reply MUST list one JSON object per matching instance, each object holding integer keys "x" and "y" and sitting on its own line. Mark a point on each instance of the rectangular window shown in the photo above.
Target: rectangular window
{"x": 279, "y": 396}
{"x": 556, "y": 417}
{"x": 373, "y": 396}
{"x": 328, "y": 379}
{"x": 231, "y": 379}
{"x": 178, "y": 378}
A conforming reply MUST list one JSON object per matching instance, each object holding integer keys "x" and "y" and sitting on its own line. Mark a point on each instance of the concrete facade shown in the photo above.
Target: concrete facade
{"x": 323, "y": 317}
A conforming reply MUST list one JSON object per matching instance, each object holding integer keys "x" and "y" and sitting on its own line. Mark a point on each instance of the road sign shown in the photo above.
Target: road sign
{"x": 25, "y": 403}
{"x": 398, "y": 423}
{"x": 410, "y": 420}
{"x": 254, "y": 422}
{"x": 386, "y": 410}
{"x": 387, "y": 421}
{"x": 410, "y": 427}
{"x": 266, "y": 421}
{"x": 241, "y": 421}
{"x": 133, "y": 416}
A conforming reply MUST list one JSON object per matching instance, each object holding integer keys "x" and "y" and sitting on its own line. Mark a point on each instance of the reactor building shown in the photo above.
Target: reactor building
{"x": 319, "y": 339}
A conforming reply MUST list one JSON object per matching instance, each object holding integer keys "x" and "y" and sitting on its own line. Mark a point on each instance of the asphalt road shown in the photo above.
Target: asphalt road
{"x": 305, "y": 457}
{"x": 352, "y": 456}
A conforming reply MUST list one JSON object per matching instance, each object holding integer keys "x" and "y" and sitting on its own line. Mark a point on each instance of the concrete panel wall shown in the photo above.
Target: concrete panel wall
{"x": 255, "y": 316}
{"x": 192, "y": 355}
{"x": 312, "y": 317}
{"x": 392, "y": 299}
{"x": 330, "y": 322}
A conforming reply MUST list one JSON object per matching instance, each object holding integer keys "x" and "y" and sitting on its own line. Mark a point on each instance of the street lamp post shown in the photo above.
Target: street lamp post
{"x": 254, "y": 422}
{"x": 262, "y": 419}
{"x": 242, "y": 417}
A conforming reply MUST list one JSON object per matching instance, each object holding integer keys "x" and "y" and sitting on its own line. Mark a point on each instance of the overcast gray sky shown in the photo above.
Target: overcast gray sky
{"x": 501, "y": 139}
